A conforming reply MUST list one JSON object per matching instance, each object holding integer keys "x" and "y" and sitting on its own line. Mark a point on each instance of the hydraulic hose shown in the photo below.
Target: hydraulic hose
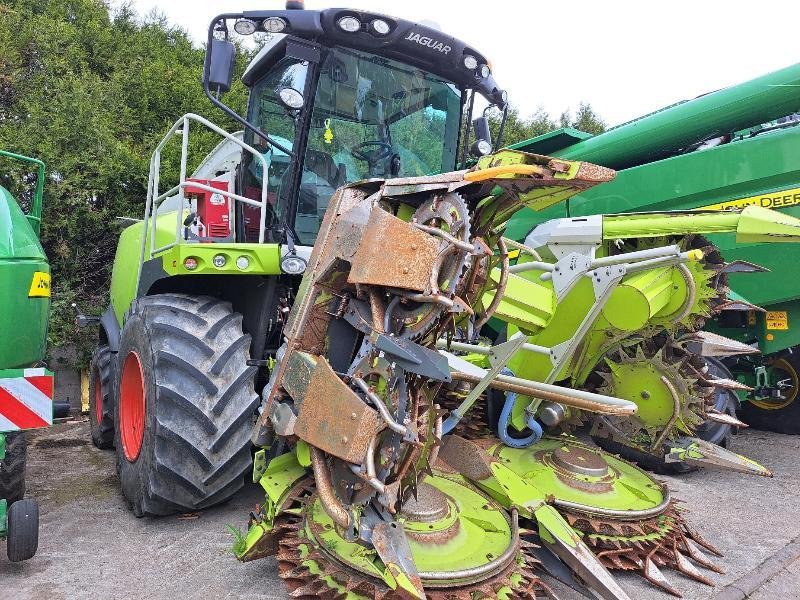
{"x": 505, "y": 421}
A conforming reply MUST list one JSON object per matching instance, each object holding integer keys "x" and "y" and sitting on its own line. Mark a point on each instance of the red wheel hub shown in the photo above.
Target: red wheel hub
{"x": 131, "y": 406}
{"x": 98, "y": 397}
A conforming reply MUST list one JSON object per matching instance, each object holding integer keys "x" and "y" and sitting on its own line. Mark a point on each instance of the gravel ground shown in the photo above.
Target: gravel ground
{"x": 92, "y": 547}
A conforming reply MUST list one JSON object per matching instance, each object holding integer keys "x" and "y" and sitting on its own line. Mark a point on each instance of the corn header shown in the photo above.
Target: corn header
{"x": 375, "y": 485}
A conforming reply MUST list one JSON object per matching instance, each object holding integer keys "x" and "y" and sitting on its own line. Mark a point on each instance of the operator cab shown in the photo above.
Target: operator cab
{"x": 337, "y": 96}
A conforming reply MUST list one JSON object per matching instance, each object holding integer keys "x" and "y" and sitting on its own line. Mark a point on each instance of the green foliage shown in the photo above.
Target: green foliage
{"x": 520, "y": 128}
{"x": 585, "y": 120}
{"x": 91, "y": 93}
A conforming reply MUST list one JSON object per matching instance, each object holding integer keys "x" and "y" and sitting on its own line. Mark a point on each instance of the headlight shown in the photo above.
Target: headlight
{"x": 470, "y": 62}
{"x": 349, "y": 24}
{"x": 291, "y": 98}
{"x": 242, "y": 263}
{"x": 485, "y": 71}
{"x": 481, "y": 148}
{"x": 380, "y": 26}
{"x": 190, "y": 263}
{"x": 244, "y": 27}
{"x": 219, "y": 261}
{"x": 274, "y": 24}
{"x": 293, "y": 264}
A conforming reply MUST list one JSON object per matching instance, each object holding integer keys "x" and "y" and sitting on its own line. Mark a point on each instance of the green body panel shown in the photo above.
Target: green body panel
{"x": 23, "y": 319}
{"x": 526, "y": 479}
{"x": 649, "y": 137}
{"x": 264, "y": 259}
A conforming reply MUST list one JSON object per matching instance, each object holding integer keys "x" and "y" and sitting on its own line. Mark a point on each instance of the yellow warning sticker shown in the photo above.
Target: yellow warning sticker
{"x": 780, "y": 199}
{"x": 40, "y": 286}
{"x": 777, "y": 319}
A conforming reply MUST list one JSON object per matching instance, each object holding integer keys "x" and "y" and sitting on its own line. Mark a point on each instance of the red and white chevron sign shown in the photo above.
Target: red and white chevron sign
{"x": 26, "y": 399}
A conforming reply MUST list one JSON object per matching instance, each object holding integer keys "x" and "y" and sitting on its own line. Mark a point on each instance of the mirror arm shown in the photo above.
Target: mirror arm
{"x": 502, "y": 129}
{"x": 467, "y": 131}
{"x": 224, "y": 107}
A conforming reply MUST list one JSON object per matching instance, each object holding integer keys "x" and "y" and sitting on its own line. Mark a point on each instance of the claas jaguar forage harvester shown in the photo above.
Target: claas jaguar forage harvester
{"x": 257, "y": 305}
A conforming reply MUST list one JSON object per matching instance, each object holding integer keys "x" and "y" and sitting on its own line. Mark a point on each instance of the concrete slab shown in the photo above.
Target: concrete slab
{"x": 92, "y": 547}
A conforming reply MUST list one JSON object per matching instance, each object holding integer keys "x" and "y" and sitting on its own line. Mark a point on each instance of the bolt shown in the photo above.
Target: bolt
{"x": 645, "y": 394}
{"x": 405, "y": 270}
{"x": 353, "y": 416}
{"x": 344, "y": 439}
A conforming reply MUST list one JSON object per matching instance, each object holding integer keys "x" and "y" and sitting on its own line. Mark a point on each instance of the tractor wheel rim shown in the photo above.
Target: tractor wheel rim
{"x": 98, "y": 397}
{"x": 778, "y": 368}
{"x": 131, "y": 406}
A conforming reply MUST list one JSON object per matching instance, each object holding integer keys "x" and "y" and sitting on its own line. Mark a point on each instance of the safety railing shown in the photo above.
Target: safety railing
{"x": 34, "y": 215}
{"x": 155, "y": 197}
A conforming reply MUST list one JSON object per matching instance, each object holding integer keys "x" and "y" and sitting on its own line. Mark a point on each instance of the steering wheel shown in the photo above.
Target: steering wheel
{"x": 381, "y": 150}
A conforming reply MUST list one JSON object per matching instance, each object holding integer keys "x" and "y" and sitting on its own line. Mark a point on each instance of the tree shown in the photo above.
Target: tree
{"x": 91, "y": 93}
{"x": 585, "y": 120}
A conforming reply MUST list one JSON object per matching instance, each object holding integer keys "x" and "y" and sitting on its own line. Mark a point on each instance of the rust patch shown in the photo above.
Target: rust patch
{"x": 394, "y": 253}
{"x": 334, "y": 419}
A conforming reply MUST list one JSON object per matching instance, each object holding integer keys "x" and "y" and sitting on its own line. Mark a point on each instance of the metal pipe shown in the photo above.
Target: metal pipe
{"x": 325, "y": 491}
{"x": 533, "y": 265}
{"x": 635, "y": 256}
{"x": 501, "y": 287}
{"x": 522, "y": 247}
{"x": 367, "y": 472}
{"x": 445, "y": 236}
{"x": 576, "y": 398}
{"x": 382, "y": 409}
{"x": 443, "y": 344}
{"x": 429, "y": 298}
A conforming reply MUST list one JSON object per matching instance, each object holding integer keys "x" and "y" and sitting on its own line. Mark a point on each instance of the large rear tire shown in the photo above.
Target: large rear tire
{"x": 101, "y": 397}
{"x": 778, "y": 416}
{"x": 185, "y": 404}
{"x": 12, "y": 468}
{"x": 725, "y": 401}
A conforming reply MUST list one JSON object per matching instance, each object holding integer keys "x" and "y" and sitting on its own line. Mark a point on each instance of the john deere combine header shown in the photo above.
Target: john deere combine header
{"x": 26, "y": 388}
{"x": 357, "y": 383}
{"x": 728, "y": 149}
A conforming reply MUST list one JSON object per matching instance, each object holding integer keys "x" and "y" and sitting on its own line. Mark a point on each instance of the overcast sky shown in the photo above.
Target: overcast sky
{"x": 626, "y": 58}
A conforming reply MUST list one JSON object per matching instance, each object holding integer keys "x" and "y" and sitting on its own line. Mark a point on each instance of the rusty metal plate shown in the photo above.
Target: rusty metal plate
{"x": 297, "y": 376}
{"x": 394, "y": 254}
{"x": 334, "y": 419}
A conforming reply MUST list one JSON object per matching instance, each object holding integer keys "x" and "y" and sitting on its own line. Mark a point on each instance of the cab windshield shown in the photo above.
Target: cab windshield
{"x": 370, "y": 117}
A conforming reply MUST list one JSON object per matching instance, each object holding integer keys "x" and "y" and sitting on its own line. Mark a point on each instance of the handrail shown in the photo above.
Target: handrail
{"x": 155, "y": 198}
{"x": 35, "y": 214}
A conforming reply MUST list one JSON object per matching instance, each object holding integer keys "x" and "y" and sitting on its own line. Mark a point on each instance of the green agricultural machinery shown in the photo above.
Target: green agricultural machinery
{"x": 725, "y": 150}
{"x": 26, "y": 387}
{"x": 306, "y": 304}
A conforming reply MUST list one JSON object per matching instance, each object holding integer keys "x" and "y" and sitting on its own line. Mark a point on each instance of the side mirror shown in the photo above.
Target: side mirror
{"x": 483, "y": 137}
{"x": 222, "y": 59}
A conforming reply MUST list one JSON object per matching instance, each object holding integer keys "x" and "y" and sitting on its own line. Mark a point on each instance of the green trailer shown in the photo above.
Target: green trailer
{"x": 26, "y": 387}
{"x": 728, "y": 149}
